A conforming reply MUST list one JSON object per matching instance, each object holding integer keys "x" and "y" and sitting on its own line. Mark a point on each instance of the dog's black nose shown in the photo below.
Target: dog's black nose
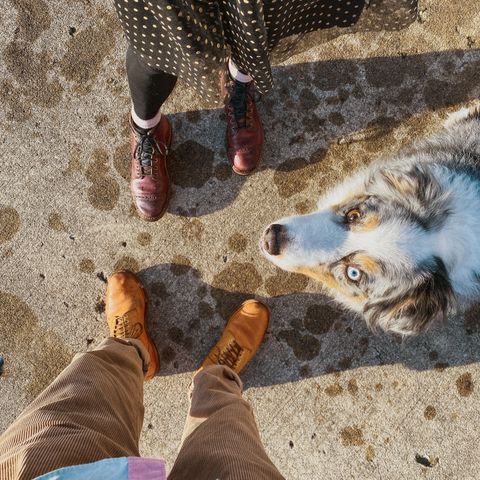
{"x": 272, "y": 239}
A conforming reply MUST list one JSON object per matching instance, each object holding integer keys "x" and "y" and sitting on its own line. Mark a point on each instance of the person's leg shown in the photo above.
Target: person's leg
{"x": 92, "y": 410}
{"x": 221, "y": 436}
{"x": 221, "y": 439}
{"x": 244, "y": 127}
{"x": 151, "y": 135}
{"x": 149, "y": 89}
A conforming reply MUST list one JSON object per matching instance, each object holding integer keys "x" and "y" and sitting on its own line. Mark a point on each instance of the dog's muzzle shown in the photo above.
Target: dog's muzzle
{"x": 273, "y": 238}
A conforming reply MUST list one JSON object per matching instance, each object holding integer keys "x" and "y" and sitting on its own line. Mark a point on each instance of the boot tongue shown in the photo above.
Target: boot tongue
{"x": 239, "y": 102}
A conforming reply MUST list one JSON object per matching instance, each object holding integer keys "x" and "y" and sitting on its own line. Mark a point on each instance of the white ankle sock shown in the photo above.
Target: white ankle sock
{"x": 237, "y": 74}
{"x": 146, "y": 124}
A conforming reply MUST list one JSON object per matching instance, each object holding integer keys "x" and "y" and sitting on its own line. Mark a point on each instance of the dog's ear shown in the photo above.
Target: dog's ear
{"x": 417, "y": 308}
{"x": 415, "y": 182}
{"x": 416, "y": 189}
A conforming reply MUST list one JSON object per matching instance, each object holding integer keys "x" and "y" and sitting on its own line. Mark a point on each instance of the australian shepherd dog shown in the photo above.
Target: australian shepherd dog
{"x": 398, "y": 242}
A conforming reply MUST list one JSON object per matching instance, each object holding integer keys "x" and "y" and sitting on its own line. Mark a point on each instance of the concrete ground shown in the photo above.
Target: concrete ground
{"x": 332, "y": 400}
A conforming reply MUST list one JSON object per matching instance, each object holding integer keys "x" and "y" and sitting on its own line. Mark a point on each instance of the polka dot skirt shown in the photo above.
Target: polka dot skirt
{"x": 193, "y": 39}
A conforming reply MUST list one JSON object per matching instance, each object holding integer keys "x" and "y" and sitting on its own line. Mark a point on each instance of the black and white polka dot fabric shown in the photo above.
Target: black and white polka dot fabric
{"x": 193, "y": 39}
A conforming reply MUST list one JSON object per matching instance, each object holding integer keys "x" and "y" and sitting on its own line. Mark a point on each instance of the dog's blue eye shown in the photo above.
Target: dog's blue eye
{"x": 353, "y": 273}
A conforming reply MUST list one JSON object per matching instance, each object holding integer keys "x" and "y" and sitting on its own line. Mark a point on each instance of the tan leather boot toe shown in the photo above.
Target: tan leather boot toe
{"x": 125, "y": 307}
{"x": 241, "y": 337}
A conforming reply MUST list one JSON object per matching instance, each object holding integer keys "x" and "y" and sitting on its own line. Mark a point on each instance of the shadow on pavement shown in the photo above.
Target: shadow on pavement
{"x": 308, "y": 336}
{"x": 318, "y": 115}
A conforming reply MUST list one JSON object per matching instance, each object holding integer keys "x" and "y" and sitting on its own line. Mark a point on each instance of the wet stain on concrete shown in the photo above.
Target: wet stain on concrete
{"x": 202, "y": 291}
{"x": 101, "y": 120}
{"x": 308, "y": 100}
{"x": 292, "y": 176}
{"x": 352, "y": 387}
{"x": 472, "y": 320}
{"x": 237, "y": 242}
{"x": 352, "y": 437}
{"x": 178, "y": 336}
{"x": 87, "y": 265}
{"x": 285, "y": 283}
{"x": 55, "y": 222}
{"x": 325, "y": 167}
{"x": 441, "y": 93}
{"x": 234, "y": 284}
{"x": 74, "y": 163}
{"x": 87, "y": 50}
{"x": 159, "y": 290}
{"x": 238, "y": 277}
{"x": 345, "y": 363}
{"x": 387, "y": 73}
{"x": 305, "y": 371}
{"x": 22, "y": 337}
{"x": 191, "y": 165}
{"x": 167, "y": 354}
{"x": 441, "y": 366}
{"x": 379, "y": 132}
{"x": 334, "y": 390}
{"x": 100, "y": 306}
{"x": 9, "y": 223}
{"x": 304, "y": 346}
{"x": 192, "y": 229}
{"x": 433, "y": 355}
{"x": 205, "y": 310}
{"x": 305, "y": 206}
{"x": 29, "y": 69}
{"x": 370, "y": 454}
{"x": 127, "y": 263}
{"x": 336, "y": 118}
{"x": 122, "y": 161}
{"x": 193, "y": 116}
{"x": 222, "y": 171}
{"x": 329, "y": 75}
{"x": 320, "y": 318}
{"x": 430, "y": 413}
{"x": 363, "y": 346}
{"x": 465, "y": 384}
{"x": 144, "y": 239}
{"x": 180, "y": 265}
{"x": 104, "y": 192}
{"x": 33, "y": 18}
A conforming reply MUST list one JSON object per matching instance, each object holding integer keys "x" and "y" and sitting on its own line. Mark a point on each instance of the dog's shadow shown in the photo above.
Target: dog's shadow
{"x": 308, "y": 336}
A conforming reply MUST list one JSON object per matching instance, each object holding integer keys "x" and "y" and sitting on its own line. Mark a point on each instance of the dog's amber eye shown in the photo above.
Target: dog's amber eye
{"x": 353, "y": 215}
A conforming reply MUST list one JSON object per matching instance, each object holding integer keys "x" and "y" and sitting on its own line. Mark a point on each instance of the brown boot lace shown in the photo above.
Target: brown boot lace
{"x": 124, "y": 329}
{"x": 231, "y": 355}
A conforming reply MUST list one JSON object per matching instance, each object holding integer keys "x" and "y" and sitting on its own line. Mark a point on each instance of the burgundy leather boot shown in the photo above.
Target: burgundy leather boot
{"x": 244, "y": 127}
{"x": 149, "y": 182}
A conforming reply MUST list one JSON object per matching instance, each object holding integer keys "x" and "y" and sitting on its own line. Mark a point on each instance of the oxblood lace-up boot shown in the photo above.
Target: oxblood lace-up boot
{"x": 149, "y": 183}
{"x": 244, "y": 127}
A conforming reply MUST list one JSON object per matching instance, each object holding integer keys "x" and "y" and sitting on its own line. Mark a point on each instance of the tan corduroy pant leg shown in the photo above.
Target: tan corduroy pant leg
{"x": 221, "y": 439}
{"x": 93, "y": 410}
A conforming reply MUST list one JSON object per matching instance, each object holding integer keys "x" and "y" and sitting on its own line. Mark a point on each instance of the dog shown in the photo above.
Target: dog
{"x": 398, "y": 242}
